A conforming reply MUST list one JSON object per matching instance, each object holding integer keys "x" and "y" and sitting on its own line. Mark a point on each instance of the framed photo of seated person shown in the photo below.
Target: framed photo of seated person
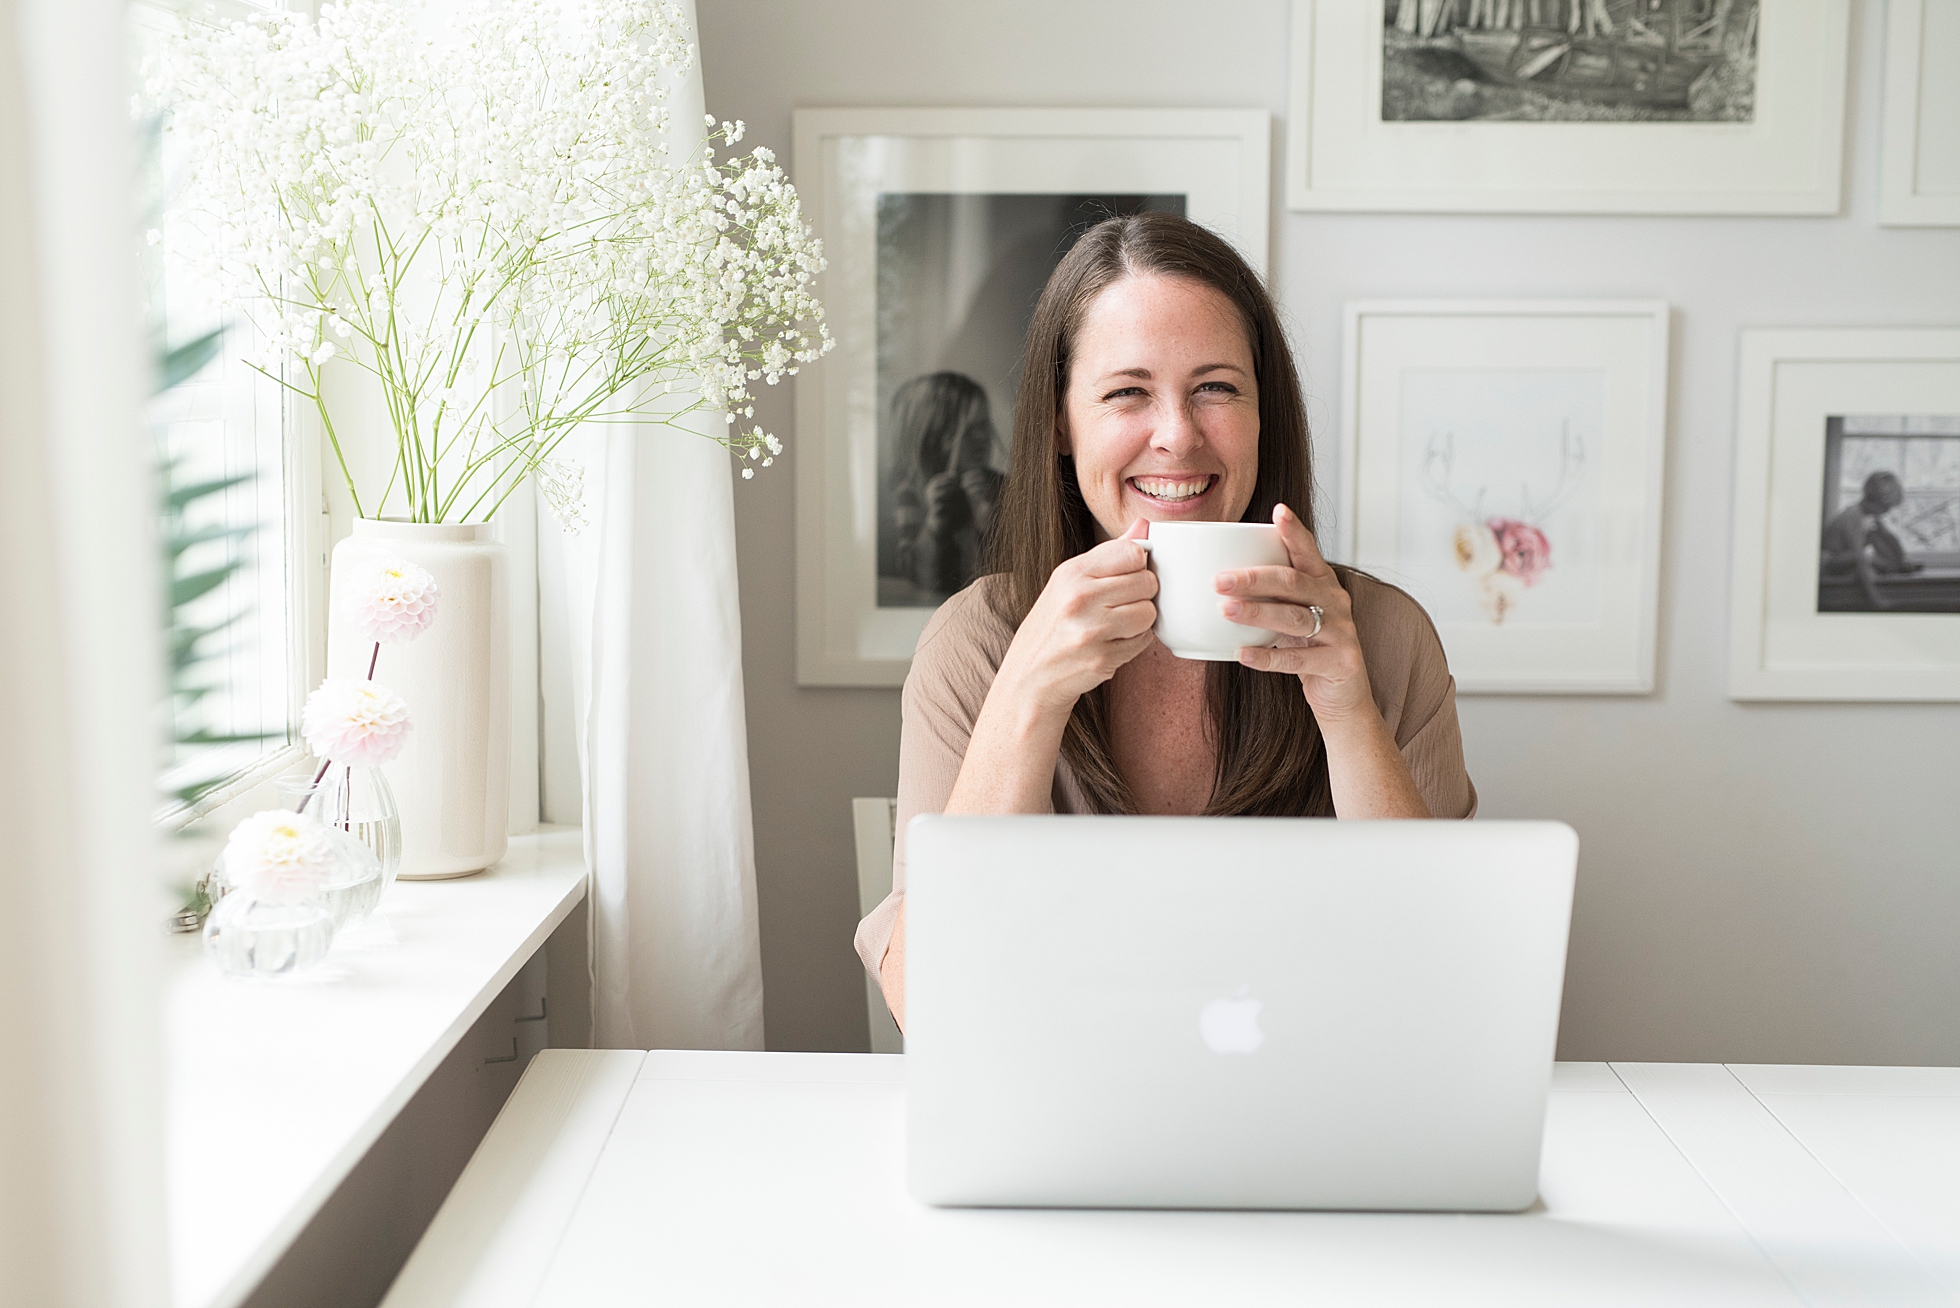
{"x": 940, "y": 227}
{"x": 1847, "y": 523}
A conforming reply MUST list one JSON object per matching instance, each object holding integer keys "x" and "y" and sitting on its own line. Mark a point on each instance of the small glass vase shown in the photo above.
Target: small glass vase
{"x": 356, "y": 804}
{"x": 250, "y": 937}
{"x": 349, "y": 896}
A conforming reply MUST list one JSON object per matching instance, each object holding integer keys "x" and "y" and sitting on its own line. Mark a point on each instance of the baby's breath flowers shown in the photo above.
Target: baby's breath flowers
{"x": 280, "y": 857}
{"x": 562, "y": 483}
{"x": 491, "y": 223}
{"x": 359, "y": 724}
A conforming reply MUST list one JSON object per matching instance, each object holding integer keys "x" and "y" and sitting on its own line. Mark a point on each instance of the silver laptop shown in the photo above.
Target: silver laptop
{"x": 1130, "y": 1012}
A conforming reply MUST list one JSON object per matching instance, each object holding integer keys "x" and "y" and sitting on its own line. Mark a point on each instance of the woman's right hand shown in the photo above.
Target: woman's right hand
{"x": 1092, "y": 617}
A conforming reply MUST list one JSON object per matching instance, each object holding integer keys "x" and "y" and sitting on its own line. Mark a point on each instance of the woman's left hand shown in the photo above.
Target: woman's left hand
{"x": 1328, "y": 661}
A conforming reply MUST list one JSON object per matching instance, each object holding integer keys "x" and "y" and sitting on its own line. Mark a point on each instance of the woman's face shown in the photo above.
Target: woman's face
{"x": 1162, "y": 411}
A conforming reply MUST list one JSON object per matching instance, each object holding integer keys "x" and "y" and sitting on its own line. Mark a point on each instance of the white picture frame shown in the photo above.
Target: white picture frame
{"x": 1468, "y": 425}
{"x": 1341, "y": 155}
{"x": 1919, "y": 147}
{"x": 1218, "y": 160}
{"x": 1791, "y": 384}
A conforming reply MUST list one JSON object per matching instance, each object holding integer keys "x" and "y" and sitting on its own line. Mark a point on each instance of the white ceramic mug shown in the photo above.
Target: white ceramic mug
{"x": 1187, "y": 558}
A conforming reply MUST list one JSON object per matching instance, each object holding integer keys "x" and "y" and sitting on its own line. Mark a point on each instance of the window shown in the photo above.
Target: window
{"x": 255, "y": 552}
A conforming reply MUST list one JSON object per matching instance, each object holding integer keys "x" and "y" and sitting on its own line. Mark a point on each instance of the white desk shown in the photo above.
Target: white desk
{"x": 617, "y": 1178}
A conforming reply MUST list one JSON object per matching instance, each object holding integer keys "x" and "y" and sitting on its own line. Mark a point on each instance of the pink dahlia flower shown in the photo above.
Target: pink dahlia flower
{"x": 357, "y": 723}
{"x": 394, "y": 602}
{"x": 1525, "y": 550}
{"x": 280, "y": 857}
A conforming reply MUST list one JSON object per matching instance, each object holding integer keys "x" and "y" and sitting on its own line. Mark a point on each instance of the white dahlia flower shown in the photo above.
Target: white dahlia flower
{"x": 357, "y": 723}
{"x": 1477, "y": 551}
{"x": 1500, "y": 593}
{"x": 280, "y": 857}
{"x": 394, "y": 601}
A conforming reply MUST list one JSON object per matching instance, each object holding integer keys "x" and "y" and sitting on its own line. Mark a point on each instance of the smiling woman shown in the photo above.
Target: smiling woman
{"x": 1157, "y": 387}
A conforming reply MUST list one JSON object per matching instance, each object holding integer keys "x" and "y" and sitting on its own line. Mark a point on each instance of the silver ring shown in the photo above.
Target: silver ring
{"x": 1319, "y": 617}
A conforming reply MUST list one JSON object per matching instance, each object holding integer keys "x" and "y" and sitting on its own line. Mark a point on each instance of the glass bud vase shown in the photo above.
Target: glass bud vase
{"x": 357, "y": 805}
{"x": 246, "y": 936}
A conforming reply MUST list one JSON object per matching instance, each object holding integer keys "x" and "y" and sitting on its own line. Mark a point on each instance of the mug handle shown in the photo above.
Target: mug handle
{"x": 1142, "y": 542}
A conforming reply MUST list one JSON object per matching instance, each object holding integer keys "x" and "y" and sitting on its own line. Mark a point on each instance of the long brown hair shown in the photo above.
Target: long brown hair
{"x": 1271, "y": 761}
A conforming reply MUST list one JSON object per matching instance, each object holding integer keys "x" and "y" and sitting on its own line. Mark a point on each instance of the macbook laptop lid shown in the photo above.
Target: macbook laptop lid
{"x": 1232, "y": 1012}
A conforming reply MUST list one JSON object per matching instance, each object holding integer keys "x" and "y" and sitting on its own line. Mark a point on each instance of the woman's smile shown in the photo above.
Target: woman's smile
{"x": 1173, "y": 490}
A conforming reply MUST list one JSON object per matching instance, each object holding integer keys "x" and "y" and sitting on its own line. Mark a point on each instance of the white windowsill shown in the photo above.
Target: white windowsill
{"x": 275, "y": 1089}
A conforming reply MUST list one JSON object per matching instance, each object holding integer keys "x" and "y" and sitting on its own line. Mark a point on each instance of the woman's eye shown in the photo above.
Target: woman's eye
{"x": 1220, "y": 388}
{"x": 1123, "y": 393}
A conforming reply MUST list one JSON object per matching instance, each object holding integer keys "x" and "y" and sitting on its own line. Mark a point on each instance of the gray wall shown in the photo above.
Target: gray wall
{"x": 1772, "y": 883}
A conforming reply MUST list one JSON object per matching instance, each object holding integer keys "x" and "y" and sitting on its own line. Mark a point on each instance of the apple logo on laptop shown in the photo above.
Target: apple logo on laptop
{"x": 1231, "y": 1026}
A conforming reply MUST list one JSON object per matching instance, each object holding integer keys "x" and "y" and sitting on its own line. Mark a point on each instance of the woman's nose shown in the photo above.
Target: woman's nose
{"x": 1177, "y": 433}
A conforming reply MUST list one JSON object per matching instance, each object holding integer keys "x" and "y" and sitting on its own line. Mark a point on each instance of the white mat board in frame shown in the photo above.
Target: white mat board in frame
{"x": 1216, "y": 159}
{"x": 1502, "y": 461}
{"x": 1919, "y": 146}
{"x": 1791, "y": 385}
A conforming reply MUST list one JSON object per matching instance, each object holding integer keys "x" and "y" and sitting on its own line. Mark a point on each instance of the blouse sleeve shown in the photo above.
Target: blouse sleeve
{"x": 952, "y": 670}
{"x": 1415, "y": 693}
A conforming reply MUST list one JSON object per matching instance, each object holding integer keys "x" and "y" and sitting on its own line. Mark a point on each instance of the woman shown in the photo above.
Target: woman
{"x": 943, "y": 507}
{"x": 1157, "y": 387}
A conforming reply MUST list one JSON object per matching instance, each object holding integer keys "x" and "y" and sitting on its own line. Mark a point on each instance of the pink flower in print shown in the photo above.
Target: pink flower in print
{"x": 1525, "y": 550}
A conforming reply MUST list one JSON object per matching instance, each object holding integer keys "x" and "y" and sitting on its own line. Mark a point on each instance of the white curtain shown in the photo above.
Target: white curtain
{"x": 652, "y": 633}
{"x": 81, "y": 1133}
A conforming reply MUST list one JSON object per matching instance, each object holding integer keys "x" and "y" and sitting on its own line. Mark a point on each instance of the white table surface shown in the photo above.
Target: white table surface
{"x": 274, "y": 1089}
{"x": 734, "y": 1179}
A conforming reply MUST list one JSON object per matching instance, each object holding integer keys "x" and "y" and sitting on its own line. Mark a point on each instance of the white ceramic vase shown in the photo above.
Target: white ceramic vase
{"x": 451, "y": 782}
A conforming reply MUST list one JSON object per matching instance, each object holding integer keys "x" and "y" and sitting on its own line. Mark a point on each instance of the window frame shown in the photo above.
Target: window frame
{"x": 306, "y": 519}
{"x": 307, "y": 530}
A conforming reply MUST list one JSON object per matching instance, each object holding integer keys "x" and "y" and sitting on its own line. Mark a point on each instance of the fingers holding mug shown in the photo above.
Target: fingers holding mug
{"x": 1302, "y": 622}
{"x": 1301, "y": 547}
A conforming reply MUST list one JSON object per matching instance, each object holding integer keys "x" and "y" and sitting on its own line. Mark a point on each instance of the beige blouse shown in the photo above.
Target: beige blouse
{"x": 961, "y": 649}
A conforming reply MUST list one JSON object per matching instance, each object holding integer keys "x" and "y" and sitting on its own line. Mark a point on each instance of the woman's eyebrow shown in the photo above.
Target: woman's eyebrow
{"x": 1143, "y": 374}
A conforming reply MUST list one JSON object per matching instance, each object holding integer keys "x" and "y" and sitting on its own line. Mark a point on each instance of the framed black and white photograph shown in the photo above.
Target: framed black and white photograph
{"x": 1567, "y": 106}
{"x": 1847, "y": 524}
{"x": 941, "y": 228}
{"x": 1919, "y": 147}
{"x": 958, "y": 276}
{"x": 1502, "y": 463}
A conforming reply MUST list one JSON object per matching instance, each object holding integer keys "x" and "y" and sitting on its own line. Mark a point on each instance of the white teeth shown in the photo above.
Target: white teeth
{"x": 1163, "y": 489}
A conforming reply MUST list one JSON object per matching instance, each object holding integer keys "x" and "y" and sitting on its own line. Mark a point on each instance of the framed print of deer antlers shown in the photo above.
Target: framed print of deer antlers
{"x": 1501, "y": 461}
